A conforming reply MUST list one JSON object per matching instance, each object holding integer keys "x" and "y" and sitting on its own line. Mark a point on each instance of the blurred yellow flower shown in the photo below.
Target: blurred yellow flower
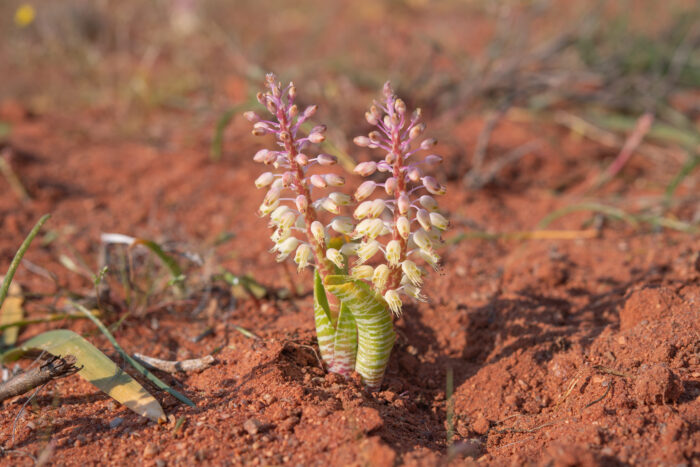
{"x": 25, "y": 14}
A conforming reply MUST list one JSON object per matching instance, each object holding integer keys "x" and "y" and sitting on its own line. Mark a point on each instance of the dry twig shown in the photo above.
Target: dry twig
{"x": 54, "y": 368}
{"x": 185, "y": 366}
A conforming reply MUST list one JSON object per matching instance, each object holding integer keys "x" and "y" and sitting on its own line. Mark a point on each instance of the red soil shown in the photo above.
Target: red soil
{"x": 564, "y": 352}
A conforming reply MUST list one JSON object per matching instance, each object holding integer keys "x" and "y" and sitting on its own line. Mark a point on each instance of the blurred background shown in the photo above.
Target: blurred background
{"x": 500, "y": 82}
{"x": 199, "y": 58}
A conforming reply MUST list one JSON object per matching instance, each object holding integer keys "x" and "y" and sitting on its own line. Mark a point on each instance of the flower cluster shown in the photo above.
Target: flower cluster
{"x": 405, "y": 213}
{"x": 398, "y": 217}
{"x": 288, "y": 201}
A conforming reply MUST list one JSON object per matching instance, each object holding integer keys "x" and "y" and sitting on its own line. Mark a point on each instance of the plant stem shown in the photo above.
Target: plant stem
{"x": 318, "y": 247}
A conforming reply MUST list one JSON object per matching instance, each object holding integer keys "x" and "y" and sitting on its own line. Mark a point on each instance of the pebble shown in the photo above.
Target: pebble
{"x": 268, "y": 398}
{"x": 253, "y": 426}
{"x": 480, "y": 426}
{"x": 116, "y": 422}
{"x": 151, "y": 450}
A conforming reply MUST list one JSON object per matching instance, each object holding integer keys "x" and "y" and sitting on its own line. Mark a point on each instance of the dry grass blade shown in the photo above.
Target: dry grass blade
{"x": 11, "y": 312}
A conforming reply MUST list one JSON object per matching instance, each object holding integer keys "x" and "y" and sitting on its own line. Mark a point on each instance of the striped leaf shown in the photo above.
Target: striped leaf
{"x": 375, "y": 327}
{"x": 338, "y": 344}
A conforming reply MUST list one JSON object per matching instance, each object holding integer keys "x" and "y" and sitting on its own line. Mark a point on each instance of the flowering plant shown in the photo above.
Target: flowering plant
{"x": 355, "y": 288}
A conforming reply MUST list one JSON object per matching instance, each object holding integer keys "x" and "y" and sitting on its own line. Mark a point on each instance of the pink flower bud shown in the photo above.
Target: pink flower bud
{"x": 310, "y": 111}
{"x": 293, "y": 111}
{"x": 400, "y": 106}
{"x": 439, "y": 221}
{"x": 326, "y": 159}
{"x": 318, "y": 181}
{"x": 302, "y": 203}
{"x": 251, "y": 116}
{"x": 316, "y": 138}
{"x": 330, "y": 206}
{"x": 272, "y": 196}
{"x": 433, "y": 159}
{"x": 390, "y": 186}
{"x": 371, "y": 119}
{"x": 375, "y": 113}
{"x": 292, "y": 93}
{"x": 423, "y": 219}
{"x": 377, "y": 207}
{"x": 414, "y": 174}
{"x": 428, "y": 143}
{"x": 365, "y": 168}
{"x": 287, "y": 179}
{"x": 342, "y": 225}
{"x": 403, "y": 225}
{"x": 361, "y": 141}
{"x": 428, "y": 202}
{"x": 382, "y": 166}
{"x": 318, "y": 231}
{"x": 301, "y": 159}
{"x": 390, "y": 158}
{"x": 375, "y": 136}
{"x": 365, "y": 190}
{"x": 270, "y": 157}
{"x": 264, "y": 180}
{"x": 404, "y": 203}
{"x": 433, "y": 186}
{"x": 422, "y": 239}
{"x": 341, "y": 199}
{"x": 362, "y": 210}
{"x": 334, "y": 180}
{"x": 416, "y": 131}
{"x": 260, "y": 155}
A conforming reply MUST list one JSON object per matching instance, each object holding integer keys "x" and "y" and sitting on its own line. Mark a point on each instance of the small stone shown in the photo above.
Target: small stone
{"x": 253, "y": 426}
{"x": 115, "y": 422}
{"x": 288, "y": 423}
{"x": 481, "y": 425}
{"x": 268, "y": 398}
{"x": 151, "y": 450}
{"x": 368, "y": 419}
{"x": 657, "y": 384}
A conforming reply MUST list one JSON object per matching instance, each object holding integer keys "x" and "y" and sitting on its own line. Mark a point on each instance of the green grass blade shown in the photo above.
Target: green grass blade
{"x": 47, "y": 319}
{"x": 168, "y": 261}
{"x": 688, "y": 167}
{"x": 18, "y": 257}
{"x": 140, "y": 368}
{"x": 97, "y": 369}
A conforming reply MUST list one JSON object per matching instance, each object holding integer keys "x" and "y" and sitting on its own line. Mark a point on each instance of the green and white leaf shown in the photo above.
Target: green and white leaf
{"x": 97, "y": 369}
{"x": 375, "y": 326}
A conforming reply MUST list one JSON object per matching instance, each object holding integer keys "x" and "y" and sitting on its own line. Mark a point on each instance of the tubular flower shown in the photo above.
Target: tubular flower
{"x": 407, "y": 208}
